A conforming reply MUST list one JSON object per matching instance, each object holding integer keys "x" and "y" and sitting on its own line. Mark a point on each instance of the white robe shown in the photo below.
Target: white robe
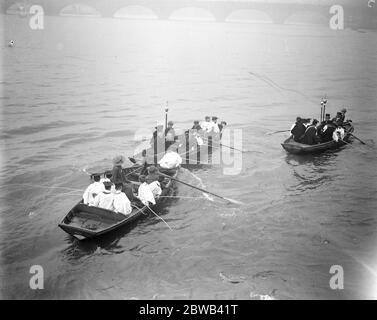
{"x": 104, "y": 200}
{"x": 91, "y": 191}
{"x": 145, "y": 194}
{"x": 155, "y": 188}
{"x": 121, "y": 203}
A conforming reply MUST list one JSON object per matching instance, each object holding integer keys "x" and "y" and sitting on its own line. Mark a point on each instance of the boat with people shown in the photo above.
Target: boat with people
{"x": 312, "y": 137}
{"x": 86, "y": 221}
{"x": 294, "y": 147}
{"x": 125, "y": 194}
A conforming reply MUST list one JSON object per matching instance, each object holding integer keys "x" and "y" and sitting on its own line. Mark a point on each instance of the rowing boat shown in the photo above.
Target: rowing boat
{"x": 84, "y": 221}
{"x": 294, "y": 147}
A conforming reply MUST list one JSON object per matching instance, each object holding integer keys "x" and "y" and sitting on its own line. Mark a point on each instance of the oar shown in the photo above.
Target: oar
{"x": 362, "y": 142}
{"x": 224, "y": 145}
{"x": 278, "y": 132}
{"x": 200, "y": 189}
{"x": 158, "y": 217}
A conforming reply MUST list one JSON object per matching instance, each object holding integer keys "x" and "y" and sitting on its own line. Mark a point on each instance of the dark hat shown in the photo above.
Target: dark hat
{"x": 298, "y": 119}
{"x": 327, "y": 114}
{"x": 214, "y": 118}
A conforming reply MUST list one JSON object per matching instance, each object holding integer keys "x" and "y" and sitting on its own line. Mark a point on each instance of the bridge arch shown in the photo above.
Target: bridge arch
{"x": 308, "y": 17}
{"x": 79, "y": 9}
{"x": 249, "y": 16}
{"x": 192, "y": 13}
{"x": 135, "y": 12}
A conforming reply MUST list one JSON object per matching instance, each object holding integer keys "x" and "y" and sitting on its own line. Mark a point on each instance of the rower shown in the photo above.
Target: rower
{"x": 93, "y": 190}
{"x": 343, "y": 111}
{"x": 120, "y": 202}
{"x": 144, "y": 192}
{"x": 105, "y": 198}
{"x": 153, "y": 174}
{"x": 298, "y": 130}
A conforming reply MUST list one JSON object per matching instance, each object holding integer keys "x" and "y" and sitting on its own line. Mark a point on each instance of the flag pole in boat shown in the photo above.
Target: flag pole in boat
{"x": 200, "y": 189}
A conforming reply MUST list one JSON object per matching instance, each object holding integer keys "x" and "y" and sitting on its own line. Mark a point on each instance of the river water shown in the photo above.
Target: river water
{"x": 77, "y": 93}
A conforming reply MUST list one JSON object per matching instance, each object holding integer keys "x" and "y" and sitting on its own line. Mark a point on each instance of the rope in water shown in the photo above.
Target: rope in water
{"x": 159, "y": 217}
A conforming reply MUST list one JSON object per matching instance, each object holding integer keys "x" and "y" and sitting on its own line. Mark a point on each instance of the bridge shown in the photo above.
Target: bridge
{"x": 356, "y": 12}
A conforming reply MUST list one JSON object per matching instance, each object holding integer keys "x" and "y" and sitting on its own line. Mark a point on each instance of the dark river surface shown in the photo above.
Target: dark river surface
{"x": 77, "y": 93}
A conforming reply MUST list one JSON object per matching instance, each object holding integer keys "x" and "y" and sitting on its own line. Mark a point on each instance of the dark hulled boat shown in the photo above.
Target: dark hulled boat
{"x": 84, "y": 221}
{"x": 294, "y": 147}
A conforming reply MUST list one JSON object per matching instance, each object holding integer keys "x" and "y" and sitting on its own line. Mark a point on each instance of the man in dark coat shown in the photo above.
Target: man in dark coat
{"x": 310, "y": 136}
{"x": 298, "y": 130}
{"x": 327, "y": 129}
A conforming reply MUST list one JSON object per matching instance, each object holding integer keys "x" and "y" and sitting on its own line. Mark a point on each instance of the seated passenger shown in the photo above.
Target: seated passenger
{"x": 310, "y": 136}
{"x": 121, "y": 203}
{"x": 214, "y": 127}
{"x": 107, "y": 177}
{"x": 105, "y": 199}
{"x": 93, "y": 190}
{"x": 298, "y": 130}
{"x": 153, "y": 174}
{"x": 145, "y": 193}
{"x": 155, "y": 187}
{"x": 338, "y": 134}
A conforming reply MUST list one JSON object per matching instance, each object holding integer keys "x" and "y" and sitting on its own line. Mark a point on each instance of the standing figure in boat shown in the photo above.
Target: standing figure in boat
{"x": 298, "y": 130}
{"x": 310, "y": 135}
{"x": 93, "y": 190}
{"x": 169, "y": 135}
{"x": 121, "y": 203}
{"x": 120, "y": 177}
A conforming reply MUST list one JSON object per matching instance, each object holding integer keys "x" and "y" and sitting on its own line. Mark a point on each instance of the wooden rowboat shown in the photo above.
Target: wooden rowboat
{"x": 84, "y": 221}
{"x": 294, "y": 147}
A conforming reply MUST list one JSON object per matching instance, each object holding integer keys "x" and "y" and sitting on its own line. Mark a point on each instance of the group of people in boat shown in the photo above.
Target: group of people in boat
{"x": 311, "y": 133}
{"x": 115, "y": 192}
